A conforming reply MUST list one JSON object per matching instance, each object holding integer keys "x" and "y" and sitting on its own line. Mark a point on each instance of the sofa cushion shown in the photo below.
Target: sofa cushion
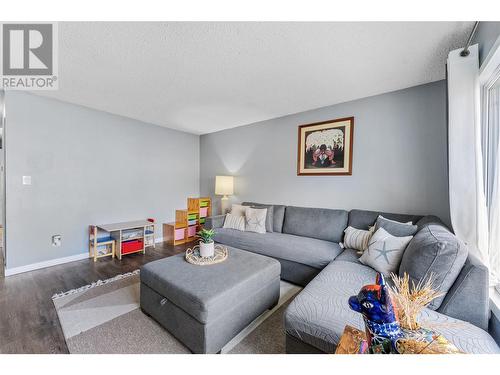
{"x": 362, "y": 219}
{"x": 278, "y": 217}
{"x": 321, "y": 223}
{"x": 471, "y": 285}
{"x": 434, "y": 251}
{"x": 349, "y": 255}
{"x": 309, "y": 251}
{"x": 319, "y": 314}
{"x": 278, "y": 214}
{"x": 396, "y": 228}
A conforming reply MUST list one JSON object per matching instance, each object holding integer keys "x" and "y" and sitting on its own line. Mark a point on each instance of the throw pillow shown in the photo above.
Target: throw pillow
{"x": 357, "y": 239}
{"x": 395, "y": 221}
{"x": 255, "y": 219}
{"x": 385, "y": 251}
{"x": 269, "y": 215}
{"x": 234, "y": 222}
{"x": 395, "y": 227}
{"x": 434, "y": 251}
{"x": 238, "y": 210}
{"x": 278, "y": 214}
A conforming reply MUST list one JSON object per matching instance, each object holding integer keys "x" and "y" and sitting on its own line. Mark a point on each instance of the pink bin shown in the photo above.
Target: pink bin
{"x": 179, "y": 234}
{"x": 191, "y": 231}
{"x": 203, "y": 211}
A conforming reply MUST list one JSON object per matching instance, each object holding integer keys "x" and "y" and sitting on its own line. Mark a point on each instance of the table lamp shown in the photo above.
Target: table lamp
{"x": 224, "y": 186}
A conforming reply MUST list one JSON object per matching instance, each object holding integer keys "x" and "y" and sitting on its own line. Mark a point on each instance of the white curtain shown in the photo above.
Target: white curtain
{"x": 467, "y": 199}
{"x": 492, "y": 137}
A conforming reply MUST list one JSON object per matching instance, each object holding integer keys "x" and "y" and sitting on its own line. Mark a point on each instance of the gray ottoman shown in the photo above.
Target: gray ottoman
{"x": 206, "y": 306}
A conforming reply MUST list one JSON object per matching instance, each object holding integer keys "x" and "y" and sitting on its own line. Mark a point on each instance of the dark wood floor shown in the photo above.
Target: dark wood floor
{"x": 28, "y": 319}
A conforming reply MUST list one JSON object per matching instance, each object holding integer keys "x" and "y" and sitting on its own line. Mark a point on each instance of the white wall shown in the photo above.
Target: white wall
{"x": 399, "y": 160}
{"x": 87, "y": 167}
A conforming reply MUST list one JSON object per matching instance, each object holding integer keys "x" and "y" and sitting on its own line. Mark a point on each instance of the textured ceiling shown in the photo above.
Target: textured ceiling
{"x": 208, "y": 76}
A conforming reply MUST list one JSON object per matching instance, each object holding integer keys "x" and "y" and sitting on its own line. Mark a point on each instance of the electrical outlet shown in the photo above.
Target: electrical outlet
{"x": 56, "y": 240}
{"x": 26, "y": 180}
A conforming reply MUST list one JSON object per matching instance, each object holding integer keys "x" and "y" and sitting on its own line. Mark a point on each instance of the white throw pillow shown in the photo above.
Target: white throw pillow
{"x": 385, "y": 252}
{"x": 255, "y": 219}
{"x": 357, "y": 239}
{"x": 234, "y": 222}
{"x": 238, "y": 210}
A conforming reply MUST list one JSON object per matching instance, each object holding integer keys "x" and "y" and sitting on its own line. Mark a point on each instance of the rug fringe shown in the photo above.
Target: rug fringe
{"x": 95, "y": 284}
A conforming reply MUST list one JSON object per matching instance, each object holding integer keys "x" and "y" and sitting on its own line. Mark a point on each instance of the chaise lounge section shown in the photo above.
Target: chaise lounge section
{"x": 316, "y": 318}
{"x": 306, "y": 243}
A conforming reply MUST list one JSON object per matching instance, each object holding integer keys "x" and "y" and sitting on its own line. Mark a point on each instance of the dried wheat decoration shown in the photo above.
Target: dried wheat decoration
{"x": 410, "y": 298}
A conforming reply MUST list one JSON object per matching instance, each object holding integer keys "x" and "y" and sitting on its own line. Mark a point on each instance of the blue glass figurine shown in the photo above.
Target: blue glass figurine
{"x": 381, "y": 322}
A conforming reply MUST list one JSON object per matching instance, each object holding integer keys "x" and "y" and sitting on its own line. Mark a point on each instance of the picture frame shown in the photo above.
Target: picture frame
{"x": 325, "y": 148}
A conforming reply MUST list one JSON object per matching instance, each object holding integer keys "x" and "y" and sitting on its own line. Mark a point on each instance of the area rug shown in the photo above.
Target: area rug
{"x": 104, "y": 317}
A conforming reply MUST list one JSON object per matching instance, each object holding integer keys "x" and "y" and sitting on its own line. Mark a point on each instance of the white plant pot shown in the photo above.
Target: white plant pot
{"x": 207, "y": 250}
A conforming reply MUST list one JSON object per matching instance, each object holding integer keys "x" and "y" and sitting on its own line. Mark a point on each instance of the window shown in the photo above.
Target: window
{"x": 489, "y": 81}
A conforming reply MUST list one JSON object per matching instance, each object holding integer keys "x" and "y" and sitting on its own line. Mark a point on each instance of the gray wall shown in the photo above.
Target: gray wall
{"x": 486, "y": 35}
{"x": 399, "y": 160}
{"x": 87, "y": 167}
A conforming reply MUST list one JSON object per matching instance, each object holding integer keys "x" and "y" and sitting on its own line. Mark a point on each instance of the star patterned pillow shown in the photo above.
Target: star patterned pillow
{"x": 255, "y": 219}
{"x": 385, "y": 252}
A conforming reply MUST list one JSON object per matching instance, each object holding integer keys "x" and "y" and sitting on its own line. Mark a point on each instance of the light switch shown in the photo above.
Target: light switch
{"x": 26, "y": 180}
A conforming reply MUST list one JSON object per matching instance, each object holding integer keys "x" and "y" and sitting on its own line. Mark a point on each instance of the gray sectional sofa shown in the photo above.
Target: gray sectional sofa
{"x": 306, "y": 243}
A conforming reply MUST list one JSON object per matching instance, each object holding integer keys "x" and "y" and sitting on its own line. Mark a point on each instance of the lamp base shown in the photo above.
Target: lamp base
{"x": 225, "y": 207}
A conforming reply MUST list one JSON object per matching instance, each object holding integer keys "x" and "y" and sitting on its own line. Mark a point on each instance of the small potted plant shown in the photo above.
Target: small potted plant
{"x": 207, "y": 248}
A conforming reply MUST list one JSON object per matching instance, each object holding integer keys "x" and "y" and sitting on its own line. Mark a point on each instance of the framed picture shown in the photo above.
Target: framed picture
{"x": 325, "y": 148}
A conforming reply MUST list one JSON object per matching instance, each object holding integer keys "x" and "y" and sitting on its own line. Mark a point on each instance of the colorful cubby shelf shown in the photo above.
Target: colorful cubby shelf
{"x": 188, "y": 221}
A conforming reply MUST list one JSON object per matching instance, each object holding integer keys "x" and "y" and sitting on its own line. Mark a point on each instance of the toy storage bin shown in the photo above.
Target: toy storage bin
{"x": 179, "y": 234}
{"x": 131, "y": 233}
{"x": 203, "y": 212}
{"x": 191, "y": 231}
{"x": 131, "y": 246}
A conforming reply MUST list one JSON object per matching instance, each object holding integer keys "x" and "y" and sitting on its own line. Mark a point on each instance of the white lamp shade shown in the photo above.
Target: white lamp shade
{"x": 224, "y": 185}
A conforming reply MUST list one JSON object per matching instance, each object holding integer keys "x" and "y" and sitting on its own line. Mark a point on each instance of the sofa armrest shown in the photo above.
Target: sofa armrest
{"x": 213, "y": 222}
{"x": 468, "y": 298}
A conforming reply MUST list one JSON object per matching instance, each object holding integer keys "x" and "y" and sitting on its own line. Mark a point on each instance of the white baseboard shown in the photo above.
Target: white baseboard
{"x": 45, "y": 264}
{"x": 53, "y": 262}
